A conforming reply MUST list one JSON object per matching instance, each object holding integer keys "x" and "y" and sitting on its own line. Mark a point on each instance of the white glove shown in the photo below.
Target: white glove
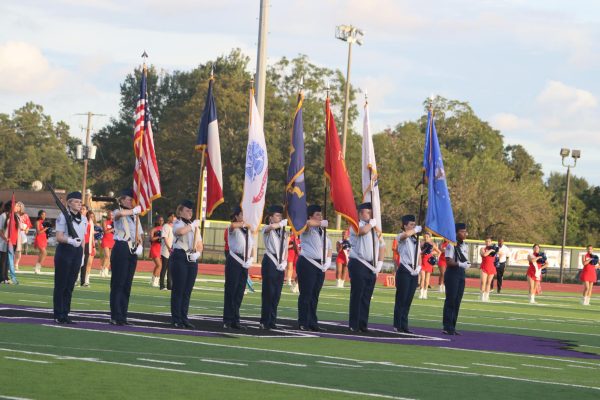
{"x": 324, "y": 224}
{"x": 373, "y": 223}
{"x": 195, "y": 223}
{"x": 378, "y": 267}
{"x": 136, "y": 210}
{"x": 327, "y": 264}
{"x": 282, "y": 265}
{"x": 74, "y": 242}
{"x": 248, "y": 263}
{"x": 193, "y": 257}
{"x": 139, "y": 250}
{"x": 418, "y": 229}
{"x": 283, "y": 223}
{"x": 415, "y": 272}
{"x": 464, "y": 264}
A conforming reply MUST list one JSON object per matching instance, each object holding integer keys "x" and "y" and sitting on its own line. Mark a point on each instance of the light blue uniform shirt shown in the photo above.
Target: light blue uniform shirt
{"x": 119, "y": 226}
{"x": 237, "y": 241}
{"x": 464, "y": 248}
{"x": 312, "y": 243}
{"x": 362, "y": 246}
{"x": 406, "y": 250}
{"x": 183, "y": 242}
{"x": 61, "y": 226}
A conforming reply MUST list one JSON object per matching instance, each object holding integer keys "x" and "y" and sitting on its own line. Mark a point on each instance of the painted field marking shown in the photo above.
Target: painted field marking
{"x": 13, "y": 398}
{"x": 161, "y": 361}
{"x": 493, "y": 366}
{"x": 34, "y": 301}
{"x": 581, "y": 366}
{"x": 28, "y": 360}
{"x": 509, "y": 378}
{"x": 210, "y": 360}
{"x": 445, "y": 365}
{"x": 541, "y": 366}
{"x": 282, "y": 363}
{"x": 338, "y": 364}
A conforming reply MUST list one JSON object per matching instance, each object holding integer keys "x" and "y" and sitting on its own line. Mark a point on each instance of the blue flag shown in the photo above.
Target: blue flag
{"x": 296, "y": 187}
{"x": 440, "y": 218}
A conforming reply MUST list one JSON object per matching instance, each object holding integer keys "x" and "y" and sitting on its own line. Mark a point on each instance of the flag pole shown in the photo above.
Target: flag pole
{"x": 371, "y": 185}
{"x": 247, "y": 234}
{"x": 325, "y": 183}
{"x": 422, "y": 184}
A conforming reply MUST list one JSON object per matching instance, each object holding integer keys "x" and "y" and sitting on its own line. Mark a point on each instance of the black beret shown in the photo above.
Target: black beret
{"x": 276, "y": 208}
{"x": 74, "y": 195}
{"x": 365, "y": 206}
{"x": 460, "y": 225}
{"x": 235, "y": 211}
{"x": 128, "y": 192}
{"x": 187, "y": 204}
{"x": 313, "y": 208}
{"x": 408, "y": 218}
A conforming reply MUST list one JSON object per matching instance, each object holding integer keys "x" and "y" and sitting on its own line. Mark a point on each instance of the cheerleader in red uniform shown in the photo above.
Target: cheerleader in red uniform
{"x": 588, "y": 274}
{"x": 442, "y": 266}
{"x": 429, "y": 252}
{"x": 293, "y": 252}
{"x": 341, "y": 262}
{"x": 155, "y": 241}
{"x": 41, "y": 240}
{"x": 488, "y": 269}
{"x": 537, "y": 262}
{"x": 107, "y": 243}
{"x": 89, "y": 250}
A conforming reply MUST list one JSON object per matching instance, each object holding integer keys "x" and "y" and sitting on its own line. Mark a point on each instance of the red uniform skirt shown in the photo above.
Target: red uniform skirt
{"x": 425, "y": 265}
{"x": 341, "y": 258}
{"x": 588, "y": 274}
{"x": 487, "y": 265}
{"x": 442, "y": 260}
{"x": 531, "y": 273}
{"x": 108, "y": 240}
{"x": 155, "y": 250}
{"x": 41, "y": 241}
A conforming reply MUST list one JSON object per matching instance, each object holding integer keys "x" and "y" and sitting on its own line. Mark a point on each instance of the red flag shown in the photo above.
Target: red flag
{"x": 340, "y": 188}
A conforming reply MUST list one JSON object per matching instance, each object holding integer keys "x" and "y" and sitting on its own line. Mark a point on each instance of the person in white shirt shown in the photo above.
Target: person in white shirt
{"x": 504, "y": 253}
{"x": 166, "y": 247}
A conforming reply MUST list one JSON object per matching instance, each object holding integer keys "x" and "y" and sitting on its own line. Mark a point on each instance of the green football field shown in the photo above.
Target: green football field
{"x": 509, "y": 350}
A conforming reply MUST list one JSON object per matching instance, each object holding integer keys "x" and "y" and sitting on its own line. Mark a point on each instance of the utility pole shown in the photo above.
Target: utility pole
{"x": 261, "y": 58}
{"x": 86, "y": 152}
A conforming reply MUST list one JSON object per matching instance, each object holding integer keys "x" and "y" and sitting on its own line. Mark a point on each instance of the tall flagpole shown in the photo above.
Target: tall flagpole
{"x": 371, "y": 183}
{"x": 325, "y": 183}
{"x": 141, "y": 155}
{"x": 261, "y": 58}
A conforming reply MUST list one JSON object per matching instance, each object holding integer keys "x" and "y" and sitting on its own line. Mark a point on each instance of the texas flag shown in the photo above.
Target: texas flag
{"x": 337, "y": 174}
{"x": 256, "y": 171}
{"x": 208, "y": 142}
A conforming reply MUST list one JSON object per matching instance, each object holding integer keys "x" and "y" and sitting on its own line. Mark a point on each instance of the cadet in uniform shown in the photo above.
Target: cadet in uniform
{"x": 239, "y": 259}
{"x": 273, "y": 266}
{"x": 311, "y": 268}
{"x": 406, "y": 273}
{"x": 454, "y": 278}
{"x": 187, "y": 247}
{"x": 123, "y": 258}
{"x": 68, "y": 258}
{"x": 363, "y": 267}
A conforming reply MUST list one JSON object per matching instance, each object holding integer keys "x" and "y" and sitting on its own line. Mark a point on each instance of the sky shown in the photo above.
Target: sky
{"x": 528, "y": 67}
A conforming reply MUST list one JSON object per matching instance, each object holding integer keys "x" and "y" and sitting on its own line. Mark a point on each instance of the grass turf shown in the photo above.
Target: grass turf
{"x": 45, "y": 361}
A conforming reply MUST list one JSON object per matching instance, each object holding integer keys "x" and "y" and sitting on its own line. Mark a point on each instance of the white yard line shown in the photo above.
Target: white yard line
{"x": 339, "y": 365}
{"x": 541, "y": 366}
{"x": 28, "y": 360}
{"x": 282, "y": 363}
{"x": 161, "y": 361}
{"x": 581, "y": 366}
{"x": 445, "y": 365}
{"x": 493, "y": 366}
{"x": 34, "y": 301}
{"x": 210, "y": 360}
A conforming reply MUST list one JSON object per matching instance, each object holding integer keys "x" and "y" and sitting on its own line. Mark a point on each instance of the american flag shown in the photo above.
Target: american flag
{"x": 146, "y": 180}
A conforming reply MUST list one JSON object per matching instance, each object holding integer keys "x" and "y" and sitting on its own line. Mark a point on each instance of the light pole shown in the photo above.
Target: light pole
{"x": 350, "y": 34}
{"x": 85, "y": 153}
{"x": 564, "y": 153}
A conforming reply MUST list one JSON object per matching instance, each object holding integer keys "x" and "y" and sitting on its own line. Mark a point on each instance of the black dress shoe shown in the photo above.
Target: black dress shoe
{"x": 407, "y": 331}
{"x": 457, "y": 333}
{"x": 302, "y": 328}
{"x": 263, "y": 327}
{"x": 189, "y": 325}
{"x": 317, "y": 329}
{"x": 177, "y": 325}
{"x": 353, "y": 330}
{"x": 127, "y": 323}
{"x": 273, "y": 326}
{"x": 364, "y": 330}
{"x": 59, "y": 321}
{"x": 445, "y": 332}
{"x": 113, "y": 322}
{"x": 69, "y": 321}
{"x": 238, "y": 327}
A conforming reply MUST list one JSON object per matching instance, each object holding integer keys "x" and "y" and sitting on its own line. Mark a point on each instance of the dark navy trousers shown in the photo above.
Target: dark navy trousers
{"x": 123, "y": 265}
{"x": 235, "y": 285}
{"x": 165, "y": 270}
{"x": 362, "y": 284}
{"x": 406, "y": 284}
{"x": 183, "y": 275}
{"x": 272, "y": 283}
{"x": 454, "y": 279}
{"x": 67, "y": 261}
{"x": 310, "y": 283}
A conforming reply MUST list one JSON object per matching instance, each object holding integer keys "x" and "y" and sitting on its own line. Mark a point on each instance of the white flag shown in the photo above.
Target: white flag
{"x": 370, "y": 178}
{"x": 257, "y": 163}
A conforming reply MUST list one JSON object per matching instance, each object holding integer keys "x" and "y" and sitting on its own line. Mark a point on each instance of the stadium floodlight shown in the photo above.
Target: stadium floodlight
{"x": 564, "y": 152}
{"x": 350, "y": 34}
{"x": 576, "y": 154}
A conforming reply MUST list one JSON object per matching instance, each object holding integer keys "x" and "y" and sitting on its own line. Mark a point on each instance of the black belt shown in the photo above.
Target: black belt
{"x": 314, "y": 259}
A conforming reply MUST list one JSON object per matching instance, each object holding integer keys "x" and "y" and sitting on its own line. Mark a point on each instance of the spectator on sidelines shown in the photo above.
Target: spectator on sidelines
{"x": 293, "y": 254}
{"x": 503, "y": 257}
{"x": 442, "y": 266}
{"x": 537, "y": 262}
{"x": 343, "y": 247}
{"x": 4, "y": 242}
{"x": 155, "y": 246}
{"x": 107, "y": 243}
{"x": 166, "y": 248}
{"x": 89, "y": 250}
{"x": 588, "y": 274}
{"x": 429, "y": 254}
{"x": 41, "y": 239}
{"x": 24, "y": 224}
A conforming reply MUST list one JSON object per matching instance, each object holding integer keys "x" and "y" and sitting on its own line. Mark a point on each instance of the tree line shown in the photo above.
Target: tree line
{"x": 496, "y": 187}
